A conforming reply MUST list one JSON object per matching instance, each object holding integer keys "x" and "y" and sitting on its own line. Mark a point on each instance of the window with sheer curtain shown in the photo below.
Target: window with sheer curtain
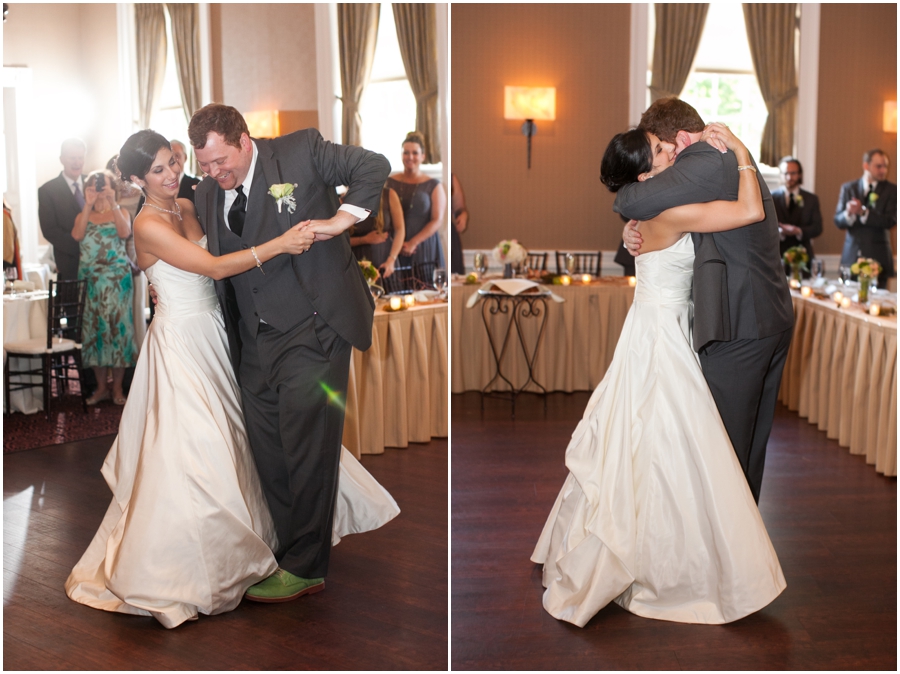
{"x": 388, "y": 106}
{"x": 722, "y": 85}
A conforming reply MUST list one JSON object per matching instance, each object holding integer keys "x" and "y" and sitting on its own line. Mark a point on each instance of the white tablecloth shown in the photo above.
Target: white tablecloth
{"x": 24, "y": 317}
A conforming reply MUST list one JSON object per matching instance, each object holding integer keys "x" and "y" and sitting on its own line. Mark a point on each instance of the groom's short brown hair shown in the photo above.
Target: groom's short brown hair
{"x": 217, "y": 118}
{"x": 667, "y": 116}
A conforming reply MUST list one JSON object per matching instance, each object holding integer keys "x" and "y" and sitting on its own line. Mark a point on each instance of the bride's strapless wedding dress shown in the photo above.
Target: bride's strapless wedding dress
{"x": 188, "y": 529}
{"x": 656, "y": 514}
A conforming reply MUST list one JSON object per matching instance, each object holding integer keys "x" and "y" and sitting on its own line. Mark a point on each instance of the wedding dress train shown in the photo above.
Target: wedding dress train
{"x": 188, "y": 529}
{"x": 656, "y": 514}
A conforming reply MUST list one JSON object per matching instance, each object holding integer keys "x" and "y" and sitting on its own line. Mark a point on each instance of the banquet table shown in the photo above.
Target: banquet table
{"x": 575, "y": 349}
{"x": 397, "y": 391}
{"x": 841, "y": 374}
{"x": 24, "y": 317}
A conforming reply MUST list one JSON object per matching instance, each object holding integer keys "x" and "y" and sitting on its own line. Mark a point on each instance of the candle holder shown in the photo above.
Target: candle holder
{"x": 632, "y": 281}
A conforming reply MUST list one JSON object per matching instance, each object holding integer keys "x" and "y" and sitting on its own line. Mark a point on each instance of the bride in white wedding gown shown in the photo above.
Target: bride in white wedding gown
{"x": 188, "y": 529}
{"x": 656, "y": 513}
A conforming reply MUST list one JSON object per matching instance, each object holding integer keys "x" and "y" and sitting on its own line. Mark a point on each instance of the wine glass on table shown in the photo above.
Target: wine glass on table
{"x": 440, "y": 281}
{"x": 846, "y": 274}
{"x": 570, "y": 264}
{"x": 481, "y": 264}
{"x": 12, "y": 275}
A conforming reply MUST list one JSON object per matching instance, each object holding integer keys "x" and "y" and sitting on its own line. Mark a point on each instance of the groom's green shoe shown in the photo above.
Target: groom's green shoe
{"x": 284, "y": 586}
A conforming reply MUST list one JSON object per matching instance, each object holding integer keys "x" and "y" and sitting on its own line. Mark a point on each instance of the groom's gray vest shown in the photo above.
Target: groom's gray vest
{"x": 272, "y": 297}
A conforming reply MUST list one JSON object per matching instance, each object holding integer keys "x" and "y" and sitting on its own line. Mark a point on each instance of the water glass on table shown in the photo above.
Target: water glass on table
{"x": 440, "y": 281}
{"x": 481, "y": 264}
{"x": 570, "y": 264}
{"x": 846, "y": 274}
{"x": 817, "y": 268}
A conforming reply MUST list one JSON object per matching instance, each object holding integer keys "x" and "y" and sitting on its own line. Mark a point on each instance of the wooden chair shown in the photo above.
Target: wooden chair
{"x": 537, "y": 261}
{"x": 585, "y": 263}
{"x": 59, "y": 354}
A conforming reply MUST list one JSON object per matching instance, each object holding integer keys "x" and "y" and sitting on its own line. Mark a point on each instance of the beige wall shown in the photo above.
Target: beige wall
{"x": 71, "y": 49}
{"x": 267, "y": 59}
{"x": 857, "y": 73}
{"x": 582, "y": 50}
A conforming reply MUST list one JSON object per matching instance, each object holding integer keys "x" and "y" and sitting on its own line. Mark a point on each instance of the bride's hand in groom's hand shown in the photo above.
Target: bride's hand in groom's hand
{"x": 327, "y": 229}
{"x": 632, "y": 238}
{"x": 298, "y": 238}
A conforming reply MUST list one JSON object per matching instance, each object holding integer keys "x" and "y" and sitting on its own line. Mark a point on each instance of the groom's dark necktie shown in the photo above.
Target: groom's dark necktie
{"x": 791, "y": 203}
{"x": 238, "y": 212}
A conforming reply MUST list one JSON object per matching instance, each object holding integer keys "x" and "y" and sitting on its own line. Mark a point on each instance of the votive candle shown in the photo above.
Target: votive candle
{"x": 806, "y": 291}
{"x": 585, "y": 278}
{"x": 845, "y": 303}
{"x": 838, "y": 296}
{"x": 396, "y": 303}
{"x": 410, "y": 301}
{"x": 565, "y": 280}
{"x": 632, "y": 281}
{"x": 874, "y": 309}
{"x": 794, "y": 283}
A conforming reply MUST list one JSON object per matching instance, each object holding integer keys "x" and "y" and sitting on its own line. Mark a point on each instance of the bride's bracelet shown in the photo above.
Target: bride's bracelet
{"x": 744, "y": 168}
{"x": 258, "y": 263}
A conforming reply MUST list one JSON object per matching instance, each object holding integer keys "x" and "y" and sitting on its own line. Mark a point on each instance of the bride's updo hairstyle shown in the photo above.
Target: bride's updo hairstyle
{"x": 137, "y": 154}
{"x": 627, "y": 156}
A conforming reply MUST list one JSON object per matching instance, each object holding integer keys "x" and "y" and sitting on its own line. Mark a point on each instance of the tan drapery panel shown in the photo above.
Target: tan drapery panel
{"x": 186, "y": 45}
{"x": 678, "y": 31}
{"x": 771, "y": 31}
{"x": 150, "y": 34}
{"x": 417, "y": 35}
{"x": 357, "y": 32}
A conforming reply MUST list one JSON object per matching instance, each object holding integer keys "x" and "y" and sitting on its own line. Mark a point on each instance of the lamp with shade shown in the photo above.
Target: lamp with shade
{"x": 890, "y": 117}
{"x": 530, "y": 104}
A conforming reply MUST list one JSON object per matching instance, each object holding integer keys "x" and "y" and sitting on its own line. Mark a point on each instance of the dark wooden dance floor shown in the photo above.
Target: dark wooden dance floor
{"x": 831, "y": 518}
{"x": 385, "y": 606}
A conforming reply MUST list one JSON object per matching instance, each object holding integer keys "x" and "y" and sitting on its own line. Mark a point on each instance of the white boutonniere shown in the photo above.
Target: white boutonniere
{"x": 284, "y": 194}
{"x": 799, "y": 200}
{"x": 872, "y": 199}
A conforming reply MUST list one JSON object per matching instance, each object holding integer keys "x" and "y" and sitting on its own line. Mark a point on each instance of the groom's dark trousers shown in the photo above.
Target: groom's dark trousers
{"x": 743, "y": 315}
{"x": 291, "y": 326}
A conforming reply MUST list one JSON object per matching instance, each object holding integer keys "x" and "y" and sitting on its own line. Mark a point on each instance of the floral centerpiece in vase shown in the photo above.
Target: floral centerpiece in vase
{"x": 866, "y": 269}
{"x": 510, "y": 253}
{"x": 370, "y": 273}
{"x": 796, "y": 257}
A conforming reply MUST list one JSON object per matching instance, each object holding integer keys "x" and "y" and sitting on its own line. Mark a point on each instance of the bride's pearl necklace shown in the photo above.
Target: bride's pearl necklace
{"x": 176, "y": 212}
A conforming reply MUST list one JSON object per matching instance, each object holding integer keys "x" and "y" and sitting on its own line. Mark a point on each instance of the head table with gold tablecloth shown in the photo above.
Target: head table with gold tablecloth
{"x": 397, "y": 392}
{"x": 576, "y": 347}
{"x": 841, "y": 374}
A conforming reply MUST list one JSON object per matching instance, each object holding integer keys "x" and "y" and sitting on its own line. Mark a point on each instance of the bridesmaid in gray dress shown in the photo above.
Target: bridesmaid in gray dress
{"x": 424, "y": 203}
{"x": 379, "y": 237}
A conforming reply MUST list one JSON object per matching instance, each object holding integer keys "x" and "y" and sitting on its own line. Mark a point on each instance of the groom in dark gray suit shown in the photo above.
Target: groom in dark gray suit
{"x": 291, "y": 322}
{"x": 743, "y": 316}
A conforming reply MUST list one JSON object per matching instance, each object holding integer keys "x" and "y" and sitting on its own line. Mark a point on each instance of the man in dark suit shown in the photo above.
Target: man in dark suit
{"x": 867, "y": 210}
{"x": 59, "y": 201}
{"x": 798, "y": 213}
{"x": 291, "y": 322}
{"x": 743, "y": 316}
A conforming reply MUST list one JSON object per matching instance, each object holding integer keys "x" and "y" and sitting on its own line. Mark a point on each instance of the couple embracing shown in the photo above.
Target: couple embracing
{"x": 228, "y": 474}
{"x": 659, "y": 511}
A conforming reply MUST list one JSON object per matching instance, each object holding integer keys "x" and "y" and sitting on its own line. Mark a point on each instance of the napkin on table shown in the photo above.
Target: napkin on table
{"x": 513, "y": 286}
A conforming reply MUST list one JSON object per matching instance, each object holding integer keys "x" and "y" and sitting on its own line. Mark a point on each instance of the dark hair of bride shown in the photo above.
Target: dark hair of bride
{"x": 627, "y": 156}
{"x": 137, "y": 154}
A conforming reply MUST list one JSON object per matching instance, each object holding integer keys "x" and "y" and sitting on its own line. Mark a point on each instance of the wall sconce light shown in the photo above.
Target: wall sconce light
{"x": 263, "y": 124}
{"x": 530, "y": 104}
{"x": 890, "y": 117}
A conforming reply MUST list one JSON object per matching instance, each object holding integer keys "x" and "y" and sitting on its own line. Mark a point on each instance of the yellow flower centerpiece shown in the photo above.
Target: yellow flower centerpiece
{"x": 866, "y": 269}
{"x": 797, "y": 258}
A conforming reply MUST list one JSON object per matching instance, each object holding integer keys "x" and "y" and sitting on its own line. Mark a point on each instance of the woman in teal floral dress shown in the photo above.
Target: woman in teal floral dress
{"x": 108, "y": 332}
